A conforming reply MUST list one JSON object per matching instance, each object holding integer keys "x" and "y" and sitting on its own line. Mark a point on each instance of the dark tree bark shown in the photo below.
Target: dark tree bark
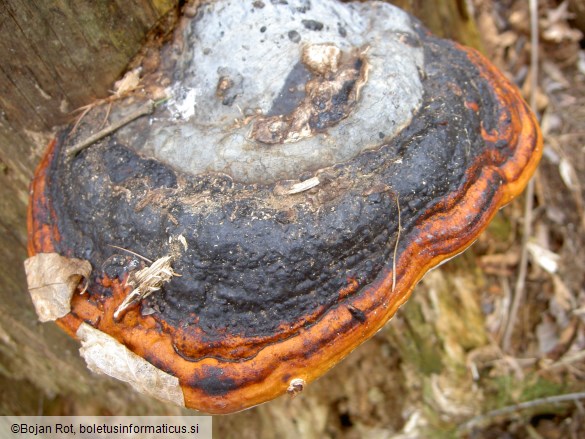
{"x": 57, "y": 56}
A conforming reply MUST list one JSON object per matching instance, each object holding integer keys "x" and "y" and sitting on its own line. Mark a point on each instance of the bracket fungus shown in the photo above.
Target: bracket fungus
{"x": 310, "y": 162}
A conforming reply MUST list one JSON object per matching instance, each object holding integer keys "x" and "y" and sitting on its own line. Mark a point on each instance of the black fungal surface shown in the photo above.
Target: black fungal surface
{"x": 253, "y": 268}
{"x": 213, "y": 382}
{"x": 292, "y": 92}
{"x": 357, "y": 314}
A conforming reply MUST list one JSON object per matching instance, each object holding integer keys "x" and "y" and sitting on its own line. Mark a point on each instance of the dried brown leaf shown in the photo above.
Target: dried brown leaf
{"x": 105, "y": 355}
{"x": 544, "y": 257}
{"x": 52, "y": 279}
{"x": 128, "y": 83}
{"x": 145, "y": 282}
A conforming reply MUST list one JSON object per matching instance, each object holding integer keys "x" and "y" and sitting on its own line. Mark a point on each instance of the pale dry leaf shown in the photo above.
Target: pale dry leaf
{"x": 581, "y": 62}
{"x": 568, "y": 174}
{"x": 560, "y": 13}
{"x": 551, "y": 123}
{"x": 546, "y": 333}
{"x": 557, "y": 33}
{"x": 556, "y": 27}
{"x": 567, "y": 335}
{"x": 555, "y": 75}
{"x": 507, "y": 39}
{"x": 128, "y": 83}
{"x": 414, "y": 426}
{"x": 556, "y": 215}
{"x": 520, "y": 21}
{"x": 563, "y": 295}
{"x": 52, "y": 279}
{"x": 450, "y": 400}
{"x": 105, "y": 355}
{"x": 545, "y": 258}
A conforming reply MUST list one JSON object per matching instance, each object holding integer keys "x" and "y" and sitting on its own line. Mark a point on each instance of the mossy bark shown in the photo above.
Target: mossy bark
{"x": 56, "y": 56}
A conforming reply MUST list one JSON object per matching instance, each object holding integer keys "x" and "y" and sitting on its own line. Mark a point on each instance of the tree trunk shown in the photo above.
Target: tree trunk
{"x": 56, "y": 56}
{"x": 59, "y": 55}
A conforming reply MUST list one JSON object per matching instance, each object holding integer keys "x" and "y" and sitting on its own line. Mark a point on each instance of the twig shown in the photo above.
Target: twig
{"x": 106, "y": 116}
{"x": 84, "y": 111}
{"x": 131, "y": 252}
{"x": 482, "y": 419}
{"x": 533, "y": 5}
{"x": 573, "y": 134}
{"x": 145, "y": 109}
{"x": 529, "y": 200}
{"x": 396, "y": 245}
{"x": 566, "y": 360}
{"x": 506, "y": 309}
{"x": 303, "y": 186}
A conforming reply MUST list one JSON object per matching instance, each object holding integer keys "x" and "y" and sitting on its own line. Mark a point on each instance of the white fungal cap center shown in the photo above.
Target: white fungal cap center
{"x": 268, "y": 90}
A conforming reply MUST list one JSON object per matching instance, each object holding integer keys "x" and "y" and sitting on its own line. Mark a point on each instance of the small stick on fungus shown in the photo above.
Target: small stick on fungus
{"x": 132, "y": 253}
{"x": 396, "y": 245}
{"x": 304, "y": 186}
{"x": 145, "y": 109}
